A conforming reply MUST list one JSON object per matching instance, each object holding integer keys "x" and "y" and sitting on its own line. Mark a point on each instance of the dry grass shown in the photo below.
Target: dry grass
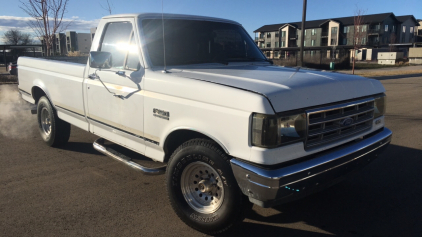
{"x": 74, "y": 54}
{"x": 388, "y": 73}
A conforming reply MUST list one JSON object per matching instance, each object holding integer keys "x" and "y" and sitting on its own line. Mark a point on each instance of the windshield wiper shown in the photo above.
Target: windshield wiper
{"x": 225, "y": 62}
{"x": 248, "y": 59}
{"x": 261, "y": 60}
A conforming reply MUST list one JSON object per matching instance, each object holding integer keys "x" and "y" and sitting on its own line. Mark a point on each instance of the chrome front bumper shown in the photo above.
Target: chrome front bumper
{"x": 267, "y": 187}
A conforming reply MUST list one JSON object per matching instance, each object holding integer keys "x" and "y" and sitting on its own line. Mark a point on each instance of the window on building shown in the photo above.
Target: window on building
{"x": 268, "y": 34}
{"x": 276, "y": 34}
{"x": 276, "y": 44}
{"x": 304, "y": 43}
{"x": 333, "y": 41}
{"x": 419, "y": 32}
{"x": 333, "y": 30}
{"x": 364, "y": 28}
{"x": 363, "y": 40}
{"x": 386, "y": 28}
{"x": 276, "y": 54}
{"x": 312, "y": 42}
{"x": 404, "y": 29}
{"x": 377, "y": 27}
{"x": 268, "y": 45}
{"x": 261, "y": 45}
{"x": 313, "y": 32}
{"x": 283, "y": 34}
{"x": 305, "y": 32}
{"x": 283, "y": 43}
{"x": 346, "y": 29}
{"x": 345, "y": 41}
{"x": 116, "y": 33}
{"x": 394, "y": 29}
{"x": 411, "y": 30}
{"x": 312, "y": 53}
{"x": 268, "y": 54}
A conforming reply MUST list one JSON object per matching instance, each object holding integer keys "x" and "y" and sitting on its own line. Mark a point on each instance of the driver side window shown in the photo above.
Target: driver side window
{"x": 116, "y": 41}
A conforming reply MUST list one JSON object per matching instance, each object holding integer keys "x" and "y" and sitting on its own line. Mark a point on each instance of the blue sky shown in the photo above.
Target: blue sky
{"x": 251, "y": 14}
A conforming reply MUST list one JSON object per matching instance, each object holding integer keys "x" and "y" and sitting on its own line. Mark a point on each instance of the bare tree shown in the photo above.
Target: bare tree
{"x": 47, "y": 18}
{"x": 358, "y": 33}
{"x": 106, "y": 7}
{"x": 16, "y": 37}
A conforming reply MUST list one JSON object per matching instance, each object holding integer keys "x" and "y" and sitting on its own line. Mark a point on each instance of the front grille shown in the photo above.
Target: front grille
{"x": 333, "y": 123}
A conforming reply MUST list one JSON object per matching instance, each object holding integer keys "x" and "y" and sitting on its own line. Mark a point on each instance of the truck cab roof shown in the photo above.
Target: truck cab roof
{"x": 170, "y": 16}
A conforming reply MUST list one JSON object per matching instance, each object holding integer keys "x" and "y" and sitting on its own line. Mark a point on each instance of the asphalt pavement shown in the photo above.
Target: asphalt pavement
{"x": 76, "y": 191}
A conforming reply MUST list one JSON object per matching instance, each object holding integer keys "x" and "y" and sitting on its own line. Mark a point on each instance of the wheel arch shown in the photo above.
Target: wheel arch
{"x": 182, "y": 134}
{"x": 38, "y": 90}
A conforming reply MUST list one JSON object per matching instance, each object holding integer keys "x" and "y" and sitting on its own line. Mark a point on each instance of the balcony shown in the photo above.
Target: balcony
{"x": 259, "y": 39}
{"x": 373, "y": 43}
{"x": 324, "y": 34}
{"x": 373, "y": 31}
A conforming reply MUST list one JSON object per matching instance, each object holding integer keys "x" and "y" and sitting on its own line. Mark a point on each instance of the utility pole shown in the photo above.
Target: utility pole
{"x": 302, "y": 34}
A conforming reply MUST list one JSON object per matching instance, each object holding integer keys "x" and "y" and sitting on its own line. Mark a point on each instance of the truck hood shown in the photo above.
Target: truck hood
{"x": 286, "y": 88}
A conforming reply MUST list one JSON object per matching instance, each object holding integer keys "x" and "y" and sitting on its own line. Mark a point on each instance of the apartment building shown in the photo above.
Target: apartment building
{"x": 375, "y": 31}
{"x": 408, "y": 29}
{"x": 84, "y": 42}
{"x": 70, "y": 41}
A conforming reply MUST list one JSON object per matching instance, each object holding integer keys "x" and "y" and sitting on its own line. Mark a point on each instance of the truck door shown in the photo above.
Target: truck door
{"x": 118, "y": 117}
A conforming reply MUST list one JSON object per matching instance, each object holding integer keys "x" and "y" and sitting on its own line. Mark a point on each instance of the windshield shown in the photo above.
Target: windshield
{"x": 193, "y": 42}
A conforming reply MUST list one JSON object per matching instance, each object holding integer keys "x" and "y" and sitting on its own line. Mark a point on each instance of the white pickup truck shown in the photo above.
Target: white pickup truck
{"x": 230, "y": 128}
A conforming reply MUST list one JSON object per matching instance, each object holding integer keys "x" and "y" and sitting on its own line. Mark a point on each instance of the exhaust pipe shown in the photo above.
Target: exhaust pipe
{"x": 99, "y": 146}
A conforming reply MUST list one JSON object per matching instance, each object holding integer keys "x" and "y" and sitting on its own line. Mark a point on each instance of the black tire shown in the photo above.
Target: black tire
{"x": 54, "y": 131}
{"x": 205, "y": 153}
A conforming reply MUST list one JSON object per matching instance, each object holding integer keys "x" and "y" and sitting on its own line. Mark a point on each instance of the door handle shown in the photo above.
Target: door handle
{"x": 121, "y": 73}
{"x": 119, "y": 96}
{"x": 92, "y": 76}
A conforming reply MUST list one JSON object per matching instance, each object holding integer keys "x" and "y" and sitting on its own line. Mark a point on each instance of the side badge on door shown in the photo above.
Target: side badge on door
{"x": 161, "y": 114}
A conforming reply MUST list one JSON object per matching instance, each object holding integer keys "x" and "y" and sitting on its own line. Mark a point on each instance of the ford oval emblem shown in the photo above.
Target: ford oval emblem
{"x": 346, "y": 122}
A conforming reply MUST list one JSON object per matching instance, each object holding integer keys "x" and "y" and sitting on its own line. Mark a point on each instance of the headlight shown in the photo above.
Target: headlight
{"x": 380, "y": 106}
{"x": 277, "y": 130}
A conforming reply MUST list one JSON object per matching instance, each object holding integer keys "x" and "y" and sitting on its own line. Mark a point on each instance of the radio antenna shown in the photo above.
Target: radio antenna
{"x": 164, "y": 39}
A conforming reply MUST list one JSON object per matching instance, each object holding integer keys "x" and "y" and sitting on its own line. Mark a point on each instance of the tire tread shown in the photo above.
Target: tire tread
{"x": 215, "y": 147}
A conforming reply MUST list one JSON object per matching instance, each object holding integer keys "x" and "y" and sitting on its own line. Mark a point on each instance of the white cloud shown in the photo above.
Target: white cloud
{"x": 21, "y": 23}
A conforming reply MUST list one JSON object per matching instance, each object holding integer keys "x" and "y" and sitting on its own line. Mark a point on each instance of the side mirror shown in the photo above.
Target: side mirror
{"x": 100, "y": 60}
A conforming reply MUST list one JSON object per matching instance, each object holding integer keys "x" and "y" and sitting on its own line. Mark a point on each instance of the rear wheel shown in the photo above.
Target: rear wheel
{"x": 202, "y": 189}
{"x": 54, "y": 131}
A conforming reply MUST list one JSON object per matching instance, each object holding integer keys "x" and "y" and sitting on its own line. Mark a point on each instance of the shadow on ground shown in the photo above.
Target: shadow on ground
{"x": 381, "y": 200}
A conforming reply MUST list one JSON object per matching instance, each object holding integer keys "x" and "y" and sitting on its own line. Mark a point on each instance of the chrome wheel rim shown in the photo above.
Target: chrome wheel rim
{"x": 202, "y": 187}
{"x": 45, "y": 121}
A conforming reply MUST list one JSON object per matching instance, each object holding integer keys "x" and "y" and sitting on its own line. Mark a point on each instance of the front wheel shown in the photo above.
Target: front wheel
{"x": 54, "y": 131}
{"x": 202, "y": 189}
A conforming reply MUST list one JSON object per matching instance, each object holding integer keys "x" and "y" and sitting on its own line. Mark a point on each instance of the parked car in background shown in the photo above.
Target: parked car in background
{"x": 13, "y": 68}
